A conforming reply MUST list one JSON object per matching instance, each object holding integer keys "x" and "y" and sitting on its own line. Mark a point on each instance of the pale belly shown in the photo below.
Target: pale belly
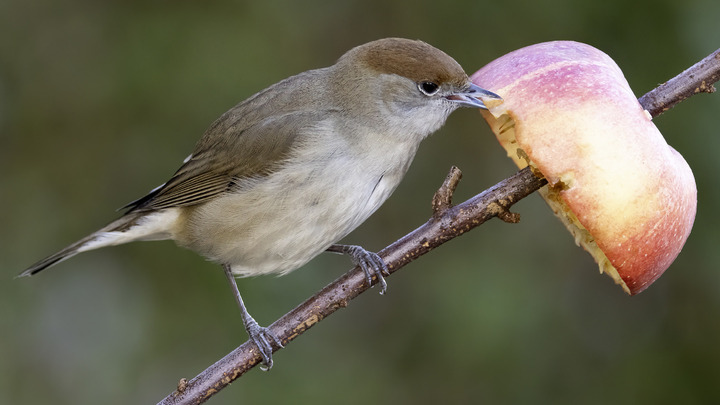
{"x": 278, "y": 223}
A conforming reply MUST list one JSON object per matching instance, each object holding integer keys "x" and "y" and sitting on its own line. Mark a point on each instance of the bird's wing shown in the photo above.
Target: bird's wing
{"x": 219, "y": 162}
{"x": 248, "y": 141}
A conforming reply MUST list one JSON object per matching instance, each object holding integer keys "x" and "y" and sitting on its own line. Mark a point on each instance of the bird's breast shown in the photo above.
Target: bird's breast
{"x": 278, "y": 222}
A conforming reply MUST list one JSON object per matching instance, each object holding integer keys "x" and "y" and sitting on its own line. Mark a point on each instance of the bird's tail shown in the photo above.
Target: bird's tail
{"x": 125, "y": 229}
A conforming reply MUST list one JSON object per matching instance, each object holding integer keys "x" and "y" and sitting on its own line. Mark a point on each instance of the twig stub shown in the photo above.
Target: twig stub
{"x": 442, "y": 200}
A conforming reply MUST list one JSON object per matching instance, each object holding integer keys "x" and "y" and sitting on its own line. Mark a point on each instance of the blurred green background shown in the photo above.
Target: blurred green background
{"x": 101, "y": 101}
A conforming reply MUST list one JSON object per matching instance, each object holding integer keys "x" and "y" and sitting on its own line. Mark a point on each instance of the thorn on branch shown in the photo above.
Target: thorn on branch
{"x": 442, "y": 200}
{"x": 505, "y": 214}
{"x": 705, "y": 88}
{"x": 182, "y": 385}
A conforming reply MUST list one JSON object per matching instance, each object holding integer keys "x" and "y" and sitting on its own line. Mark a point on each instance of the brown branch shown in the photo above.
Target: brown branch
{"x": 442, "y": 200}
{"x": 447, "y": 222}
{"x": 698, "y": 78}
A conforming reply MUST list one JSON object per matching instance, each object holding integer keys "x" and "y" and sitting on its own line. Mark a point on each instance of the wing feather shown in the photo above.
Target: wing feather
{"x": 248, "y": 141}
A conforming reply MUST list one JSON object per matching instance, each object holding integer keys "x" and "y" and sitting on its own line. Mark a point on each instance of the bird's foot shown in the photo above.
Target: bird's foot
{"x": 263, "y": 339}
{"x": 370, "y": 263}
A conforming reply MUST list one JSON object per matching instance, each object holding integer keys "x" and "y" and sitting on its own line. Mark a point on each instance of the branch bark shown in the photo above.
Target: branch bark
{"x": 447, "y": 222}
{"x": 699, "y": 78}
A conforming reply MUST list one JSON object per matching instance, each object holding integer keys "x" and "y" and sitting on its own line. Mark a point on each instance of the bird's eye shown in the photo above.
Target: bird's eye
{"x": 428, "y": 88}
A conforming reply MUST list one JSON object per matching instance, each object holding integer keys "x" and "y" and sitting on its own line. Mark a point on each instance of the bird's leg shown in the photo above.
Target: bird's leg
{"x": 369, "y": 262}
{"x": 261, "y": 336}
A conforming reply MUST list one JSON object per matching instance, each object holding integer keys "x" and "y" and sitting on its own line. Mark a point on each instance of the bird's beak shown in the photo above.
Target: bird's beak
{"x": 475, "y": 96}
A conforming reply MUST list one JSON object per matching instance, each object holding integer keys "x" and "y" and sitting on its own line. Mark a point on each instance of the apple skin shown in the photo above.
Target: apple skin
{"x": 579, "y": 123}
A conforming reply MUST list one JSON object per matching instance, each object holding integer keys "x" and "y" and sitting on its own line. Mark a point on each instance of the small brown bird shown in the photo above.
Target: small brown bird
{"x": 285, "y": 174}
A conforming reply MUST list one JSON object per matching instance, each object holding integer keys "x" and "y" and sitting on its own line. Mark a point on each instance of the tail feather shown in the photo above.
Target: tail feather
{"x": 112, "y": 234}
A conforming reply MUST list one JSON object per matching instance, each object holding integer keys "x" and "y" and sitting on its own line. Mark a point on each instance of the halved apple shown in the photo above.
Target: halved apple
{"x": 627, "y": 197}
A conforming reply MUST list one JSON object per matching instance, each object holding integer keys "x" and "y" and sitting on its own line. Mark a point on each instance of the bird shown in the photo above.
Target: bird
{"x": 285, "y": 174}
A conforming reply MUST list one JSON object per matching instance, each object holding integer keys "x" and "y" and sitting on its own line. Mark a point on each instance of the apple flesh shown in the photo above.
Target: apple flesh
{"x": 627, "y": 197}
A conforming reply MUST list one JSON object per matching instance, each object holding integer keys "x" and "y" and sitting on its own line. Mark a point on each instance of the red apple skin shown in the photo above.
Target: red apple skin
{"x": 580, "y": 123}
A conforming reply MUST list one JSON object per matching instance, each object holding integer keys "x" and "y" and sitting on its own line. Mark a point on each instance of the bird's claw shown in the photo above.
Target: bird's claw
{"x": 263, "y": 339}
{"x": 370, "y": 263}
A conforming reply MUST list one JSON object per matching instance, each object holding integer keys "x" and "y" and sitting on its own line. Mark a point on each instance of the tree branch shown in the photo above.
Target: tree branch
{"x": 699, "y": 78}
{"x": 447, "y": 222}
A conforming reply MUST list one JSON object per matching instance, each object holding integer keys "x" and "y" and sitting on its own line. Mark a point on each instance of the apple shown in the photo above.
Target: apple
{"x": 627, "y": 197}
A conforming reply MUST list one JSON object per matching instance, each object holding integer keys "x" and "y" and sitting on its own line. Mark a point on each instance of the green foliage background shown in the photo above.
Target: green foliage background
{"x": 101, "y": 101}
